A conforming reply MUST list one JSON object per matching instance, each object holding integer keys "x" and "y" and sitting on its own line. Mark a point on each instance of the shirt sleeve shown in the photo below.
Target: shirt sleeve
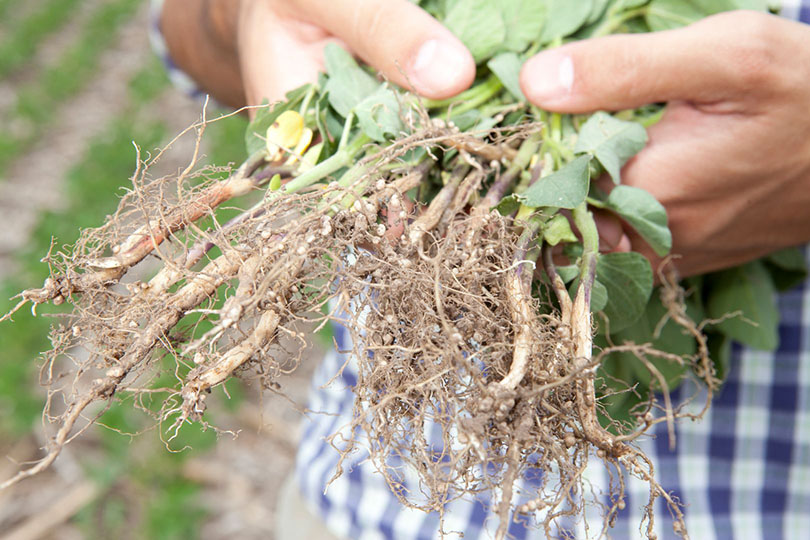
{"x": 798, "y": 10}
{"x": 178, "y": 77}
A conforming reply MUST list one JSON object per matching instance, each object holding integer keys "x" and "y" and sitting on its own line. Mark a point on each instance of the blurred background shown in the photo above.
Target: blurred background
{"x": 78, "y": 85}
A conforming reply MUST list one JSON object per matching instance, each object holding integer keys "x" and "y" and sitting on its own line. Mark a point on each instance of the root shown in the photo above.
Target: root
{"x": 448, "y": 333}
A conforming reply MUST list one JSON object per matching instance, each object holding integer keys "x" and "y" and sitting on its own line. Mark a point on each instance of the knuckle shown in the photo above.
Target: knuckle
{"x": 755, "y": 49}
{"x": 369, "y": 24}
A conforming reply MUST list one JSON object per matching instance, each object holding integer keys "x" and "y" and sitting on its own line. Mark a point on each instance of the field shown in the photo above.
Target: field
{"x": 79, "y": 85}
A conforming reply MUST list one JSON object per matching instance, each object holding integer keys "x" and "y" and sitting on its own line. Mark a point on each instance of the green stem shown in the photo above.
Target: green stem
{"x": 341, "y": 158}
{"x": 470, "y": 99}
{"x": 347, "y": 130}
{"x": 583, "y": 219}
{"x": 307, "y": 100}
{"x": 612, "y": 24}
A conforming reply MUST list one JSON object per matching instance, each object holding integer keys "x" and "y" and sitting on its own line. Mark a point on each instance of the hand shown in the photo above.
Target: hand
{"x": 730, "y": 159}
{"x": 280, "y": 45}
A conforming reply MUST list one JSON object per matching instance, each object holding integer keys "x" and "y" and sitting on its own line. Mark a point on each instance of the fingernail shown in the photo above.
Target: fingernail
{"x": 548, "y": 76}
{"x": 438, "y": 68}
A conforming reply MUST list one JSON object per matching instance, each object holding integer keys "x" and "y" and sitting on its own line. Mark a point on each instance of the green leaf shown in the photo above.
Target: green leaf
{"x": 568, "y": 273}
{"x": 787, "y": 268}
{"x": 348, "y": 84}
{"x": 506, "y": 66}
{"x": 749, "y": 292}
{"x": 671, "y": 339}
{"x": 565, "y": 188}
{"x": 599, "y": 294}
{"x": 720, "y": 352}
{"x": 612, "y": 141}
{"x": 466, "y": 120}
{"x": 668, "y": 14}
{"x": 597, "y": 11}
{"x": 628, "y": 279}
{"x": 558, "y": 229}
{"x": 523, "y": 19}
{"x": 479, "y": 25}
{"x": 564, "y": 18}
{"x": 265, "y": 116}
{"x": 508, "y": 205}
{"x": 645, "y": 214}
{"x": 379, "y": 115}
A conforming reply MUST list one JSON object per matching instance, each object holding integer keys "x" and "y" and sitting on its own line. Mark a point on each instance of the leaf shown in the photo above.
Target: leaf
{"x": 565, "y": 188}
{"x": 645, "y": 214}
{"x": 671, "y": 339}
{"x": 558, "y": 229}
{"x": 479, "y": 25}
{"x": 597, "y": 11}
{"x": 524, "y": 20}
{"x": 508, "y": 205}
{"x": 612, "y": 141}
{"x": 265, "y": 116}
{"x": 749, "y": 292}
{"x": 564, "y": 18}
{"x": 379, "y": 115}
{"x": 568, "y": 273}
{"x": 599, "y": 294}
{"x": 787, "y": 268}
{"x": 668, "y": 14}
{"x": 506, "y": 66}
{"x": 720, "y": 352}
{"x": 348, "y": 84}
{"x": 628, "y": 279}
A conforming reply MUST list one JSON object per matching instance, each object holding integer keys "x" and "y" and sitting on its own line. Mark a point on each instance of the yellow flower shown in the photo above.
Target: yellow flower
{"x": 287, "y": 135}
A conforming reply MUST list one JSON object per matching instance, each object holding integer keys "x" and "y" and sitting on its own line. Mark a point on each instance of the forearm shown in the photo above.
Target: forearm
{"x": 201, "y": 38}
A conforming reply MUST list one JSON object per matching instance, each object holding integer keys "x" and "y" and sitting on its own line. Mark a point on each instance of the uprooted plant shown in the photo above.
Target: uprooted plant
{"x": 454, "y": 240}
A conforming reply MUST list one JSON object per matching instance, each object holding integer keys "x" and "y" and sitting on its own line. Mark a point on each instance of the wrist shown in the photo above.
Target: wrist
{"x": 221, "y": 20}
{"x": 201, "y": 37}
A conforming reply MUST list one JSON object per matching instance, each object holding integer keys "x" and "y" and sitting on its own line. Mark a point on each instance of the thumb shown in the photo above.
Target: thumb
{"x": 400, "y": 39}
{"x": 697, "y": 63}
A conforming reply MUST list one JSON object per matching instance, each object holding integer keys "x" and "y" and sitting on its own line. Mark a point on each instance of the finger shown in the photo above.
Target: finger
{"x": 401, "y": 40}
{"x": 706, "y": 62}
{"x": 278, "y": 54}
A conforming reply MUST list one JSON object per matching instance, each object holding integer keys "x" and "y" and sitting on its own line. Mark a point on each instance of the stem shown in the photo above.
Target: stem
{"x": 307, "y": 100}
{"x": 470, "y": 99}
{"x": 341, "y": 158}
{"x": 347, "y": 130}
{"x": 583, "y": 219}
{"x": 557, "y": 283}
{"x": 612, "y": 24}
{"x": 582, "y": 335}
{"x": 519, "y": 292}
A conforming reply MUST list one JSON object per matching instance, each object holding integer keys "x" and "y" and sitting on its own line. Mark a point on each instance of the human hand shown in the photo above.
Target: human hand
{"x": 730, "y": 159}
{"x": 281, "y": 43}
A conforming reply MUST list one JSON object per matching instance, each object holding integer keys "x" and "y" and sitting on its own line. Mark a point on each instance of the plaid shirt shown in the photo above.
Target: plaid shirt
{"x": 743, "y": 472}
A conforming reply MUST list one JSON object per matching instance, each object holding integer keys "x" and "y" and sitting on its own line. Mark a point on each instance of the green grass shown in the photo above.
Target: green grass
{"x": 25, "y": 36}
{"x": 5, "y": 7}
{"x": 39, "y": 100}
{"x": 145, "y": 493}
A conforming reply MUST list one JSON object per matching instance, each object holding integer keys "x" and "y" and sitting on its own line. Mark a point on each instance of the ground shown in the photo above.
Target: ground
{"x": 78, "y": 84}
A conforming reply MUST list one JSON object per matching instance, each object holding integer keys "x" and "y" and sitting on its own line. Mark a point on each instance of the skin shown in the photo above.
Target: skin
{"x": 730, "y": 160}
